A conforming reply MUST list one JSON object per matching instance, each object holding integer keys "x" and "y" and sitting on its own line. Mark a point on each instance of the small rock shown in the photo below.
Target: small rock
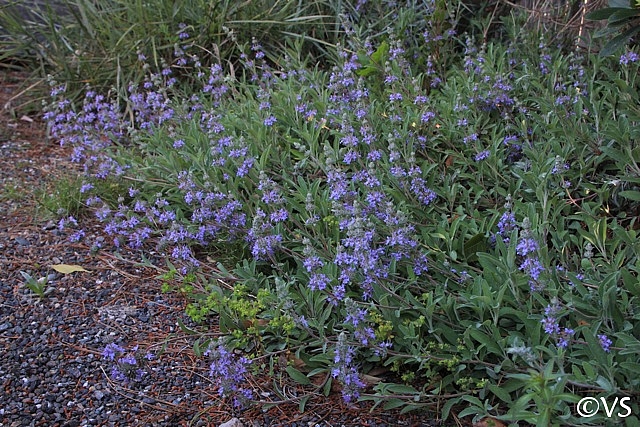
{"x": 75, "y": 372}
{"x": 49, "y": 226}
{"x": 5, "y": 326}
{"x": 47, "y": 408}
{"x": 233, "y": 422}
{"x": 22, "y": 241}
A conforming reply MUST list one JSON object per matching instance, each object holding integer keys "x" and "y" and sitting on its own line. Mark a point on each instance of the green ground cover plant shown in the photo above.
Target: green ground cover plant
{"x": 457, "y": 217}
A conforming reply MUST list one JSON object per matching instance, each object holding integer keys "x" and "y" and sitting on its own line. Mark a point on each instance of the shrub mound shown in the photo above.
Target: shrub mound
{"x": 463, "y": 225}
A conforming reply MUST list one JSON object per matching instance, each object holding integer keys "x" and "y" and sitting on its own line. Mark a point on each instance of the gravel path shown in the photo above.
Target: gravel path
{"x": 52, "y": 372}
{"x": 51, "y": 369}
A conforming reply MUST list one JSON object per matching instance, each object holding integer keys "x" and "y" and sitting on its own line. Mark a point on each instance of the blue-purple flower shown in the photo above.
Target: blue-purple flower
{"x": 484, "y": 154}
{"x": 229, "y": 373}
{"x": 345, "y": 371}
{"x": 605, "y": 342}
{"x": 128, "y": 364}
{"x": 269, "y": 121}
{"x": 551, "y": 325}
{"x": 629, "y": 57}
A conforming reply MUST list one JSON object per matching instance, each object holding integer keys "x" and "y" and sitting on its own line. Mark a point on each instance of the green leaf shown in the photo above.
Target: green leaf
{"x": 298, "y": 376}
{"x": 473, "y": 400}
{"x": 373, "y": 64}
{"x": 605, "y": 384}
{"x": 630, "y": 366}
{"x": 186, "y": 329}
{"x": 326, "y": 390}
{"x": 486, "y": 340}
{"x": 630, "y": 345}
{"x": 620, "y": 4}
{"x": 367, "y": 71}
{"x": 631, "y": 195}
{"x": 303, "y": 403}
{"x": 447, "y": 407}
{"x": 408, "y": 407}
{"x": 201, "y": 345}
{"x": 264, "y": 158}
{"x": 477, "y": 243}
{"x": 321, "y": 358}
{"x": 471, "y": 410}
{"x": 380, "y": 55}
{"x": 393, "y": 403}
{"x": 316, "y": 371}
{"x": 623, "y": 15}
{"x": 606, "y": 31}
{"x": 619, "y": 41}
{"x": 601, "y": 14}
{"x": 500, "y": 393}
{"x": 630, "y": 282}
{"x": 615, "y": 154}
{"x": 589, "y": 370}
{"x": 489, "y": 263}
{"x": 476, "y": 407}
{"x": 363, "y": 59}
{"x": 399, "y": 389}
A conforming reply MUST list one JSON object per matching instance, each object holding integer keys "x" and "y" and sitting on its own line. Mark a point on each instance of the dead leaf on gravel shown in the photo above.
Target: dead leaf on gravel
{"x": 67, "y": 269}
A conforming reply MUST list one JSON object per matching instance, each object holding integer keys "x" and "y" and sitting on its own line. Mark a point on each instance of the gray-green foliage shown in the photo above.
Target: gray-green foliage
{"x": 513, "y": 175}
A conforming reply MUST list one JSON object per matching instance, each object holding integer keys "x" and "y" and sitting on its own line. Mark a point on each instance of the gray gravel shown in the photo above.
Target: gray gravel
{"x": 51, "y": 369}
